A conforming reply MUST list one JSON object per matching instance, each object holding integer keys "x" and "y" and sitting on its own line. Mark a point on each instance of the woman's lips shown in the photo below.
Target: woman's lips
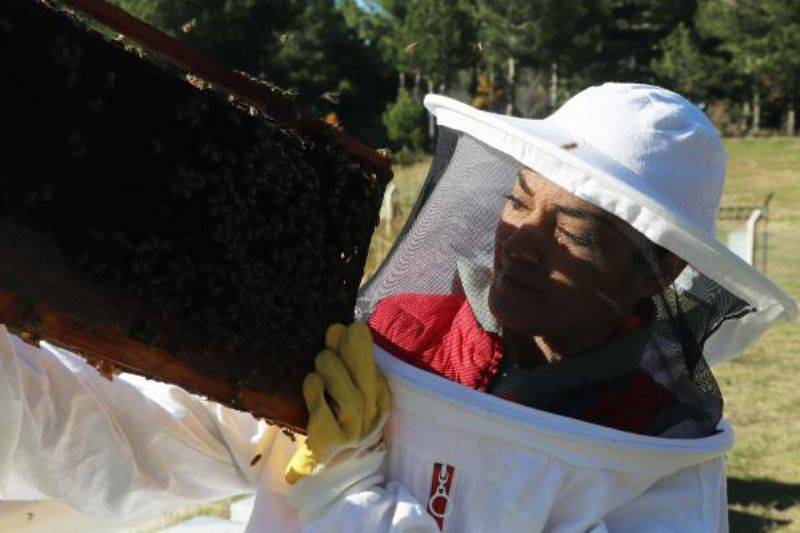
{"x": 514, "y": 281}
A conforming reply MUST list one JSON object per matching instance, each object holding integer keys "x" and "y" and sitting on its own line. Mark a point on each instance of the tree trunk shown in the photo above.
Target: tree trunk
{"x": 474, "y": 82}
{"x": 791, "y": 120}
{"x": 553, "y": 85}
{"x": 511, "y": 78}
{"x": 745, "y": 118}
{"x": 431, "y": 120}
{"x": 492, "y": 87}
{"x": 415, "y": 92}
{"x": 401, "y": 81}
{"x": 756, "y": 128}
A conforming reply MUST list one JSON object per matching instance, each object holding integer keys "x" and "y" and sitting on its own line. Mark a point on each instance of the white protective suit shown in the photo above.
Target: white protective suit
{"x": 134, "y": 446}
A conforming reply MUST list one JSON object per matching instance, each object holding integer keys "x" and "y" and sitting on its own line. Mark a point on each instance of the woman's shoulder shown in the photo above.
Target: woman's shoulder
{"x": 438, "y": 333}
{"x": 429, "y": 310}
{"x": 410, "y": 323}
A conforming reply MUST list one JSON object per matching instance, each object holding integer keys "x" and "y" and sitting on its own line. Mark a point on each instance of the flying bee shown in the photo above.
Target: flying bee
{"x": 189, "y": 25}
{"x": 333, "y": 97}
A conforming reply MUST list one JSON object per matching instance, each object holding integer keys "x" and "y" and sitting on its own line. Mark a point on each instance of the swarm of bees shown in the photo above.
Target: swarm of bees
{"x": 253, "y": 235}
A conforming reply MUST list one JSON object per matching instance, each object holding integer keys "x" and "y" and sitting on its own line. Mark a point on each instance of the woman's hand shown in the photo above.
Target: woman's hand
{"x": 346, "y": 398}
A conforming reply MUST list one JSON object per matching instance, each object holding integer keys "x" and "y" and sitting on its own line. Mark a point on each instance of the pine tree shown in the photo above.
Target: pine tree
{"x": 686, "y": 68}
{"x": 402, "y": 121}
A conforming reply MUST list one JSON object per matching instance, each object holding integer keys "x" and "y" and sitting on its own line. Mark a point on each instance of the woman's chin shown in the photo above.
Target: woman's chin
{"x": 513, "y": 310}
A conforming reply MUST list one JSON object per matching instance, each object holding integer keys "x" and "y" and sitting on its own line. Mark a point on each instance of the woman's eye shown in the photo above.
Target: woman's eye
{"x": 580, "y": 240}
{"x": 516, "y": 203}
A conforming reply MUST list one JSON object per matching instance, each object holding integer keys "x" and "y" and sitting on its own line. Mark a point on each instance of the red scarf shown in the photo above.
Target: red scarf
{"x": 439, "y": 333}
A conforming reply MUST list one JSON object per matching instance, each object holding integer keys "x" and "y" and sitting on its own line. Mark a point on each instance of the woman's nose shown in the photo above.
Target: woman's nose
{"x": 525, "y": 241}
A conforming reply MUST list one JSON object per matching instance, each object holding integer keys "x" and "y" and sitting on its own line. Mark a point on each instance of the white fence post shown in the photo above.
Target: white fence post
{"x": 755, "y": 216}
{"x": 388, "y": 207}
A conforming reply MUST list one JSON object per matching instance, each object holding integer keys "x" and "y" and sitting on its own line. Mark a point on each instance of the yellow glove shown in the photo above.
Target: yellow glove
{"x": 358, "y": 393}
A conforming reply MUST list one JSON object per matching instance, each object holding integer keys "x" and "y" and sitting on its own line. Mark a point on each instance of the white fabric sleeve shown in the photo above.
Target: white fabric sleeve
{"x": 347, "y": 494}
{"x": 122, "y": 448}
{"x": 389, "y": 508}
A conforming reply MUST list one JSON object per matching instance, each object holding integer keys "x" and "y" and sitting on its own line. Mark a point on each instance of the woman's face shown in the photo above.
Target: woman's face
{"x": 561, "y": 265}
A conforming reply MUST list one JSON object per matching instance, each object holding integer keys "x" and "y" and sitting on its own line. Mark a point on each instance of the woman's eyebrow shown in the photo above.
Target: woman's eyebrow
{"x": 523, "y": 183}
{"x": 577, "y": 212}
{"x": 574, "y": 212}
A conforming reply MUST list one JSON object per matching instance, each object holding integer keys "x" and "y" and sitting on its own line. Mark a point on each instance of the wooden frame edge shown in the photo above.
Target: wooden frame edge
{"x": 103, "y": 344}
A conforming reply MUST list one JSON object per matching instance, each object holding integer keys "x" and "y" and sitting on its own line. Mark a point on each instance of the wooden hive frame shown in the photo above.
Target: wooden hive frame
{"x": 111, "y": 347}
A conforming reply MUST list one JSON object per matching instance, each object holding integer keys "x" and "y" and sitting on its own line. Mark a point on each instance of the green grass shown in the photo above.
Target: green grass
{"x": 761, "y": 387}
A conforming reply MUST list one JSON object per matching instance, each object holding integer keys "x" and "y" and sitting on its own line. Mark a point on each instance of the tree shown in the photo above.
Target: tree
{"x": 686, "y": 68}
{"x": 402, "y": 120}
{"x": 781, "y": 60}
{"x": 762, "y": 40}
{"x": 630, "y": 33}
{"x": 558, "y": 38}
{"x": 331, "y": 68}
{"x": 443, "y": 37}
{"x": 243, "y": 34}
{"x": 787, "y": 74}
{"x": 508, "y": 35}
{"x": 379, "y": 22}
{"x": 739, "y": 30}
{"x": 304, "y": 46}
{"x": 440, "y": 36}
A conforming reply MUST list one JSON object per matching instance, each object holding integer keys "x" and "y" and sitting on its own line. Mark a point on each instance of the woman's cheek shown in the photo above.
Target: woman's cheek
{"x": 500, "y": 236}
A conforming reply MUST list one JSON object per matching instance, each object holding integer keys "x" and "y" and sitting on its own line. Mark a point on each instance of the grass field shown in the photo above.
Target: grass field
{"x": 762, "y": 387}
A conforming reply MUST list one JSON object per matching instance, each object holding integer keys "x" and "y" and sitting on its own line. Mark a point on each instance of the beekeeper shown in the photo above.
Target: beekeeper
{"x": 542, "y": 331}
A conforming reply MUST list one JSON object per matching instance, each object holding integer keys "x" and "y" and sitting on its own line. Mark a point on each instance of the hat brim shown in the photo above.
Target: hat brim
{"x": 574, "y": 165}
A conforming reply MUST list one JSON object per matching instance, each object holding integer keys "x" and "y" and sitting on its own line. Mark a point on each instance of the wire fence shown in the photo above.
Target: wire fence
{"x": 745, "y": 229}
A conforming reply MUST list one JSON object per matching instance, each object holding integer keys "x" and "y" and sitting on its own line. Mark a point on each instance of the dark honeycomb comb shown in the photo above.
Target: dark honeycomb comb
{"x": 164, "y": 229}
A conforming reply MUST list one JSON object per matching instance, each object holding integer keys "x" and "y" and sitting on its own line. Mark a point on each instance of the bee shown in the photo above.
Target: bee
{"x": 333, "y": 97}
{"x": 197, "y": 82}
{"x": 189, "y": 25}
{"x": 29, "y": 338}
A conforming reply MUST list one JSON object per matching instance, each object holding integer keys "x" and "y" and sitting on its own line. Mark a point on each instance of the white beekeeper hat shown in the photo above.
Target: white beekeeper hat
{"x": 644, "y": 154}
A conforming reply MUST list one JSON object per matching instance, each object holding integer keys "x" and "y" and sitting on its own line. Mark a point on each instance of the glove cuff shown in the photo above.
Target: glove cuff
{"x": 350, "y": 468}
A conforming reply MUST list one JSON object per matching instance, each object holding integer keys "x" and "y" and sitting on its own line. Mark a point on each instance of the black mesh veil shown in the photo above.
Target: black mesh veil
{"x": 454, "y": 217}
{"x": 448, "y": 246}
